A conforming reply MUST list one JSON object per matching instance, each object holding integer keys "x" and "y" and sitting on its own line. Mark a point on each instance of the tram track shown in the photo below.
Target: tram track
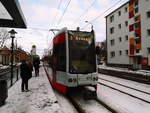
{"x": 125, "y": 86}
{"x": 74, "y": 100}
{"x": 83, "y": 105}
{"x": 144, "y": 100}
{"x": 76, "y": 105}
{"x": 82, "y": 110}
{"x": 106, "y": 106}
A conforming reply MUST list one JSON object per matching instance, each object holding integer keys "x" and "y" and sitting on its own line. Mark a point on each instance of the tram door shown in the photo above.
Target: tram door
{"x": 59, "y": 54}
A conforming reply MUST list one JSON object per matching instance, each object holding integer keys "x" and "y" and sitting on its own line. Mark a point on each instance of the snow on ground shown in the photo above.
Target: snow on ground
{"x": 40, "y": 98}
{"x": 65, "y": 104}
{"x": 127, "y": 90}
{"x": 129, "y": 83}
{"x": 121, "y": 102}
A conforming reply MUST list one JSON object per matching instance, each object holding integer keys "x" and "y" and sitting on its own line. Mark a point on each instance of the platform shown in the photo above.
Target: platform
{"x": 40, "y": 98}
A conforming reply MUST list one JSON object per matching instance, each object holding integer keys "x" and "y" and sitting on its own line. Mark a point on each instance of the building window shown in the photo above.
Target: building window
{"x": 136, "y": 34}
{"x": 126, "y": 23}
{"x": 148, "y": 32}
{"x": 137, "y": 41}
{"x": 131, "y": 27}
{"x": 126, "y": 51}
{"x": 111, "y": 30}
{"x": 137, "y": 26}
{"x": 137, "y": 50}
{"x": 131, "y": 14}
{"x": 136, "y": 3}
{"x": 136, "y": 10}
{"x": 148, "y": 50}
{"x": 112, "y": 54}
{"x": 111, "y": 18}
{"x": 137, "y": 18}
{"x": 120, "y": 39}
{"x": 119, "y": 13}
{"x": 112, "y": 42}
{"x": 119, "y": 26}
{"x": 126, "y": 9}
{"x": 120, "y": 52}
{"x": 148, "y": 14}
{"x": 126, "y": 37}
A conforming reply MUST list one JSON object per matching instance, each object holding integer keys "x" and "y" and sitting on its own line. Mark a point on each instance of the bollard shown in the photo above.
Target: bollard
{"x": 3, "y": 91}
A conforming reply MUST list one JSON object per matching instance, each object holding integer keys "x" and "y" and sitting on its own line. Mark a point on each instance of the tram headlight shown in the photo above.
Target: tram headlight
{"x": 74, "y": 79}
{"x": 95, "y": 78}
{"x": 70, "y": 80}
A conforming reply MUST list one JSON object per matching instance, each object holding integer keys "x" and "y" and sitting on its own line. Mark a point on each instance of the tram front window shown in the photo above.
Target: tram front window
{"x": 82, "y": 53}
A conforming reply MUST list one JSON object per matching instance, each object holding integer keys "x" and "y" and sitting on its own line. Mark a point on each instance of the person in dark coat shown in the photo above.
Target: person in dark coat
{"x": 25, "y": 75}
{"x": 30, "y": 68}
{"x": 36, "y": 64}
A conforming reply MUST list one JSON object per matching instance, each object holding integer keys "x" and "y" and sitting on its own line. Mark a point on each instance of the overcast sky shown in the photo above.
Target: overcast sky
{"x": 42, "y": 15}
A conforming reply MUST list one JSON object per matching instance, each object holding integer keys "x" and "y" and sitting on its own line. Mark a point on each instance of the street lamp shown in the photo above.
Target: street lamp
{"x": 12, "y": 35}
{"x": 89, "y": 23}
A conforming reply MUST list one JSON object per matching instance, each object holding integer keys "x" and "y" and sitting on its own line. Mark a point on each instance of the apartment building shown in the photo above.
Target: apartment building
{"x": 128, "y": 35}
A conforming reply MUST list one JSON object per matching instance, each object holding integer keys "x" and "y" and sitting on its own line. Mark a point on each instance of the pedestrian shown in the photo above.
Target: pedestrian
{"x": 30, "y": 68}
{"x": 36, "y": 64}
{"x": 25, "y": 75}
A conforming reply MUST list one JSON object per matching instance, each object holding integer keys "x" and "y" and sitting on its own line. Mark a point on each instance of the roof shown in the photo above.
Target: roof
{"x": 117, "y": 9}
{"x": 11, "y": 14}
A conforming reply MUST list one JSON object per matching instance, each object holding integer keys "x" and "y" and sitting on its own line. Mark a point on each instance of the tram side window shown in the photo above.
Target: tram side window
{"x": 61, "y": 57}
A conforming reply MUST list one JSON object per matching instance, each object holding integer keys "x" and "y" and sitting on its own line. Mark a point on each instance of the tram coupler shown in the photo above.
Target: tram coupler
{"x": 89, "y": 93}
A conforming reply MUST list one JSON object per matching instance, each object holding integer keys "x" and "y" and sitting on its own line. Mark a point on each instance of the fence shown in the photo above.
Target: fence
{"x": 6, "y": 74}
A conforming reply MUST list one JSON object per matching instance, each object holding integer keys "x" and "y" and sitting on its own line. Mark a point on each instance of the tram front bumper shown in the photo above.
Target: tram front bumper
{"x": 82, "y": 79}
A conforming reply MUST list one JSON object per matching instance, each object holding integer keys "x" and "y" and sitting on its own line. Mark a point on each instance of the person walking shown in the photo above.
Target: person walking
{"x": 25, "y": 75}
{"x": 36, "y": 64}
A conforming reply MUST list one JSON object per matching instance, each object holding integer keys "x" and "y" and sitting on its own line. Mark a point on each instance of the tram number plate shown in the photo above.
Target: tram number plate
{"x": 85, "y": 78}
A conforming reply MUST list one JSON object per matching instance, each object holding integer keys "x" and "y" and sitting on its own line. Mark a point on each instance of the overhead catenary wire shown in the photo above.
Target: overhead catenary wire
{"x": 54, "y": 19}
{"x": 85, "y": 12}
{"x": 101, "y": 14}
{"x": 43, "y": 29}
{"x": 106, "y": 11}
{"x": 63, "y": 13}
{"x": 36, "y": 28}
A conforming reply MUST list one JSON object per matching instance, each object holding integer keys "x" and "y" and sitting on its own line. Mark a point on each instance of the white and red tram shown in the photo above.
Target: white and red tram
{"x": 72, "y": 60}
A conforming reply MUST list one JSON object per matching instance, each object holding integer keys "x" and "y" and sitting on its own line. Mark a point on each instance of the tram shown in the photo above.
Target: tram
{"x": 71, "y": 61}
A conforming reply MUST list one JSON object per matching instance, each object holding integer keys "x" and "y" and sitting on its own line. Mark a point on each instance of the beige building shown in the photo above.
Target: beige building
{"x": 19, "y": 55}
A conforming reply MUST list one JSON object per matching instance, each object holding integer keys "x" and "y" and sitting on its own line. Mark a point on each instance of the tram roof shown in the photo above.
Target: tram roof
{"x": 11, "y": 14}
{"x": 65, "y": 29}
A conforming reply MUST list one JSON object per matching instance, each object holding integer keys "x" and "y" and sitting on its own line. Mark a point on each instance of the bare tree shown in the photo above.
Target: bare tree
{"x": 4, "y": 35}
{"x": 101, "y": 51}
